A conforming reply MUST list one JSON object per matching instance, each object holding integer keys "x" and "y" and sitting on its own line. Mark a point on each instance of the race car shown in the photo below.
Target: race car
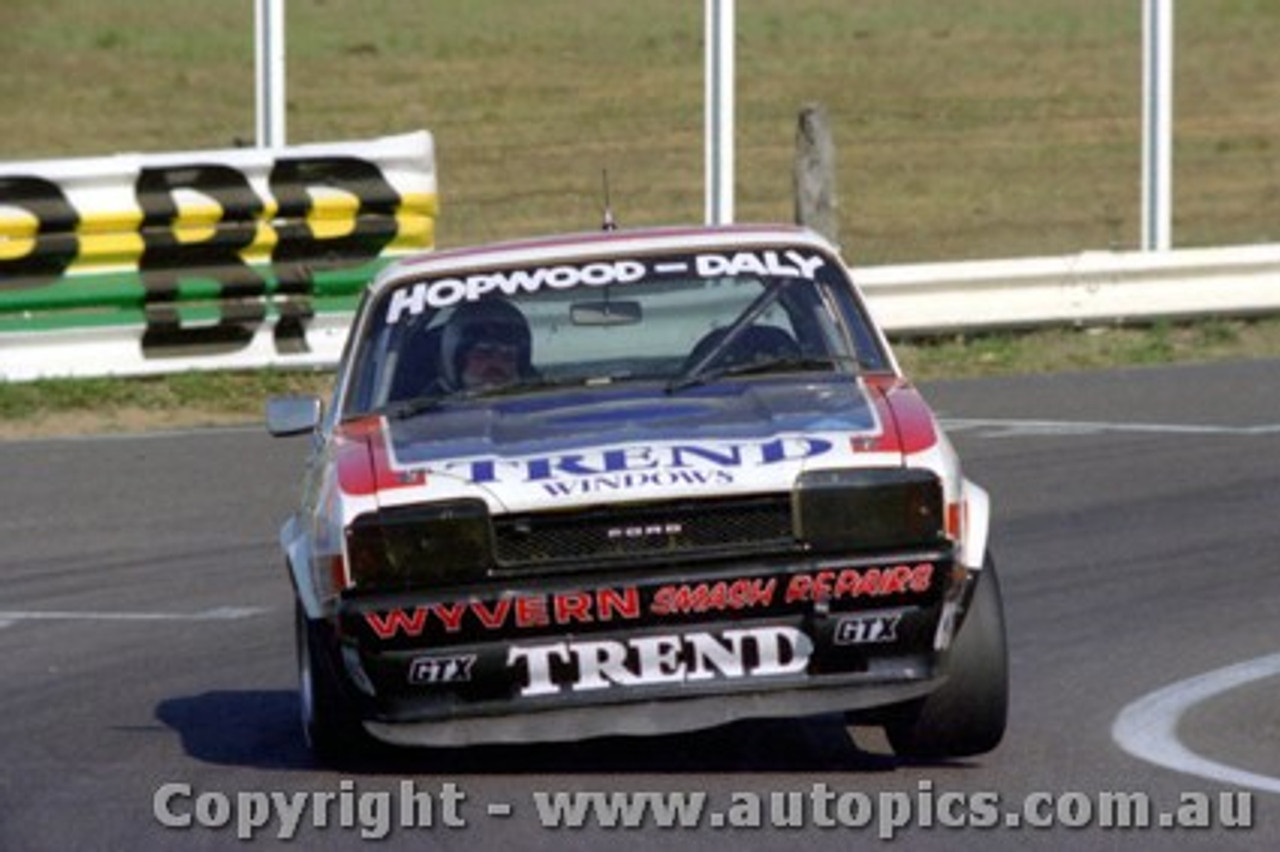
{"x": 634, "y": 482}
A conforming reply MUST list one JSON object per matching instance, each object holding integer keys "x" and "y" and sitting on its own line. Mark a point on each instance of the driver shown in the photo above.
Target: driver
{"x": 485, "y": 344}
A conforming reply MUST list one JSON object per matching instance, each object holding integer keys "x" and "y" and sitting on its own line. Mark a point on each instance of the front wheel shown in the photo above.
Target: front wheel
{"x": 968, "y": 713}
{"x": 329, "y": 721}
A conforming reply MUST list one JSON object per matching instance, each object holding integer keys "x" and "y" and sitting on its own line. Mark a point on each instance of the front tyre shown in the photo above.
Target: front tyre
{"x": 329, "y": 721}
{"x": 968, "y": 713}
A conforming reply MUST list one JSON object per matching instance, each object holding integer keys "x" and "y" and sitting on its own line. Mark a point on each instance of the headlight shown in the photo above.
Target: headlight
{"x": 869, "y": 509}
{"x": 416, "y": 546}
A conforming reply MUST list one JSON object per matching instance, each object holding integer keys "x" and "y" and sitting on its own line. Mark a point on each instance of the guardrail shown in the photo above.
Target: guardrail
{"x": 1091, "y": 287}
{"x": 237, "y": 258}
{"x": 1087, "y": 288}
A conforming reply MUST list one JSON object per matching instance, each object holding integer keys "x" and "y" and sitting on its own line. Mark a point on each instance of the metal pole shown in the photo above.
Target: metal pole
{"x": 719, "y": 111}
{"x": 269, "y": 71}
{"x": 1157, "y": 125}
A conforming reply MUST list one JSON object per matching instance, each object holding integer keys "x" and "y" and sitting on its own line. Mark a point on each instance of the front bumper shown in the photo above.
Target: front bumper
{"x": 650, "y": 718}
{"x": 580, "y": 658}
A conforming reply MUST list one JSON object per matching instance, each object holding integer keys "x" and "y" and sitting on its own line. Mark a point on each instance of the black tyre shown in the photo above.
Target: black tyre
{"x": 329, "y": 721}
{"x": 968, "y": 713}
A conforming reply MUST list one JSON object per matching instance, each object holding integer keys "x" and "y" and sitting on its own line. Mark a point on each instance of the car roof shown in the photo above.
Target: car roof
{"x": 591, "y": 244}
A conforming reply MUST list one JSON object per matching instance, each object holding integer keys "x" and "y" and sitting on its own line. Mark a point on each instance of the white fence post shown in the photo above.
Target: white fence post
{"x": 719, "y": 111}
{"x": 269, "y": 72}
{"x": 1157, "y": 125}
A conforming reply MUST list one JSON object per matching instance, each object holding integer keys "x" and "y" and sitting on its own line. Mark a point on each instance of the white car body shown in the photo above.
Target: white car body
{"x": 615, "y": 573}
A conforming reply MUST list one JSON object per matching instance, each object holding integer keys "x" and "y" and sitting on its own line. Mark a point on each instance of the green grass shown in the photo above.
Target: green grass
{"x": 983, "y": 128}
{"x": 975, "y": 129}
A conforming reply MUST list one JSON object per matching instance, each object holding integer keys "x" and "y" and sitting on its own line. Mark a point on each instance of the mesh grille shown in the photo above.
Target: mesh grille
{"x": 645, "y": 531}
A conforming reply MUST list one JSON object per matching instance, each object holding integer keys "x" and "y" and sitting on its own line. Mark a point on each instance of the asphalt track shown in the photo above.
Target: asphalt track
{"x": 145, "y": 640}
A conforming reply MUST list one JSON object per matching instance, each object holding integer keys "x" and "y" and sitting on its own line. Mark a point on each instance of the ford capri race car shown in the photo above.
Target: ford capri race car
{"x": 634, "y": 482}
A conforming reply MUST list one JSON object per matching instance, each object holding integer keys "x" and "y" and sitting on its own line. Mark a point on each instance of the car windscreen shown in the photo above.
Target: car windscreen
{"x": 675, "y": 319}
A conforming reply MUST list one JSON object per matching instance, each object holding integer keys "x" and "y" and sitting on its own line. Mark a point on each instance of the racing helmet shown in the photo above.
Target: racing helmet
{"x": 486, "y": 321}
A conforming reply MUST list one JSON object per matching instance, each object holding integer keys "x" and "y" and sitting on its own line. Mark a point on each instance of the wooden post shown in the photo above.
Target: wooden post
{"x": 815, "y": 174}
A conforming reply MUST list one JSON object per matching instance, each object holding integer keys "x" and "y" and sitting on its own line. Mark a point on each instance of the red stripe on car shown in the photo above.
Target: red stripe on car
{"x": 363, "y": 459}
{"x": 909, "y": 426}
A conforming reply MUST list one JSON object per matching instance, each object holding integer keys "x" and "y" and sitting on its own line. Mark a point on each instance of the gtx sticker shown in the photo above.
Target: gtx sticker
{"x": 446, "y": 669}
{"x": 759, "y": 652}
{"x": 874, "y": 628}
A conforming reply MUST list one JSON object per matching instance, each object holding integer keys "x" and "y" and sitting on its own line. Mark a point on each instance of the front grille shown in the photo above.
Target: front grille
{"x": 688, "y": 528}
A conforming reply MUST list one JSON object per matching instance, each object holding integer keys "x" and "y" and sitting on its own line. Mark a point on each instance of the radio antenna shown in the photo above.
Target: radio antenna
{"x": 609, "y": 223}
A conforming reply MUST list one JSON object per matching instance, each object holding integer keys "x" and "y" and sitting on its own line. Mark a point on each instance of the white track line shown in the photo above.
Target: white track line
{"x": 224, "y": 613}
{"x": 1148, "y": 728}
{"x": 1086, "y": 427}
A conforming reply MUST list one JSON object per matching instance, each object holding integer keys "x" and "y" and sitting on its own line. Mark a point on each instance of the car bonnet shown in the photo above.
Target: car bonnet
{"x": 626, "y": 443}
